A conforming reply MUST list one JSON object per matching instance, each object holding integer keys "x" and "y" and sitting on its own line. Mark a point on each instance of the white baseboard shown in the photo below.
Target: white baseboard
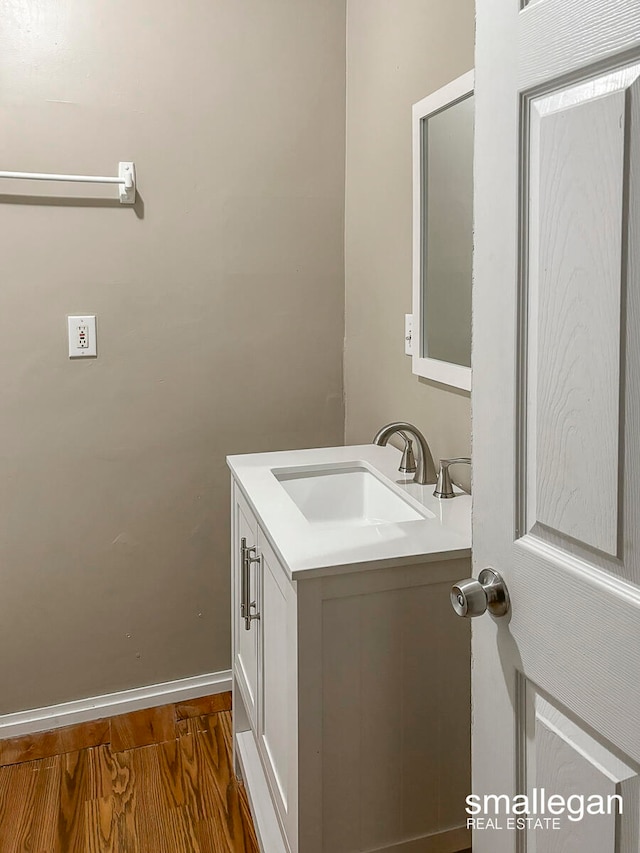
{"x": 112, "y": 704}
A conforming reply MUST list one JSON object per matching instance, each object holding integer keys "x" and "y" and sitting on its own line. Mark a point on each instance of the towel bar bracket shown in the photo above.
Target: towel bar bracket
{"x": 126, "y": 180}
{"x": 127, "y": 171}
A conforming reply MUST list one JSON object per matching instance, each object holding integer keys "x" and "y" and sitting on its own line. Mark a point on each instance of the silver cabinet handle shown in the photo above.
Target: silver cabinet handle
{"x": 473, "y": 597}
{"x": 248, "y": 555}
{"x": 243, "y": 577}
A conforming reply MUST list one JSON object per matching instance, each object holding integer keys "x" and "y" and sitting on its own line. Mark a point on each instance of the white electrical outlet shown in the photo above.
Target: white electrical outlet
{"x": 408, "y": 334}
{"x": 82, "y": 336}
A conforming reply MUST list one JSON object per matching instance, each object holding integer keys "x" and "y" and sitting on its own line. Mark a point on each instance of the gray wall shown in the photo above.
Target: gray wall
{"x": 220, "y": 317}
{"x": 397, "y": 53}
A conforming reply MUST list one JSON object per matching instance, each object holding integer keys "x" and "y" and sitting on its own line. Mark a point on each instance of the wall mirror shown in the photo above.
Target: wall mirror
{"x": 443, "y": 233}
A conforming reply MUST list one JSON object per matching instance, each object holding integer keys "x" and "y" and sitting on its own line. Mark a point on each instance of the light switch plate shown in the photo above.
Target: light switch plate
{"x": 82, "y": 336}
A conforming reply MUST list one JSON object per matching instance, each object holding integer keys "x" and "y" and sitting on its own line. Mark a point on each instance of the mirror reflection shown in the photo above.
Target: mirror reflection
{"x": 447, "y": 233}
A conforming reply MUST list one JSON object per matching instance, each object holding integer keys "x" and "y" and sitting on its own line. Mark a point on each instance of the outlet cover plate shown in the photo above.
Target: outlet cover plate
{"x": 82, "y": 336}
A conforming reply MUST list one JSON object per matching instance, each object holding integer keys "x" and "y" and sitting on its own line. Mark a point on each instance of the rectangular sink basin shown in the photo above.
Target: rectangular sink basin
{"x": 346, "y": 495}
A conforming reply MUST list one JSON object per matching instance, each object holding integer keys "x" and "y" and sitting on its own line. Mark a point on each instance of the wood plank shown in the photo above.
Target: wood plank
{"x": 250, "y": 840}
{"x": 46, "y": 799}
{"x": 162, "y": 820}
{"x": 206, "y": 748}
{"x": 220, "y": 732}
{"x": 177, "y": 796}
{"x": 142, "y": 728}
{"x": 139, "y": 728}
{"x": 100, "y": 826}
{"x": 204, "y": 706}
{"x": 150, "y": 814}
{"x": 193, "y": 797}
{"x": 101, "y": 772}
{"x": 194, "y": 726}
{"x": 210, "y": 837}
{"x": 182, "y": 831}
{"x": 56, "y": 742}
{"x": 169, "y": 758}
{"x": 124, "y": 798}
{"x": 226, "y": 724}
{"x": 213, "y": 839}
{"x": 17, "y": 802}
{"x": 75, "y": 788}
{"x": 30, "y": 747}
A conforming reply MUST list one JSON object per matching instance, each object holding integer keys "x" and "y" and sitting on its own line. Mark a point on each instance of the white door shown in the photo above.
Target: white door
{"x": 556, "y": 424}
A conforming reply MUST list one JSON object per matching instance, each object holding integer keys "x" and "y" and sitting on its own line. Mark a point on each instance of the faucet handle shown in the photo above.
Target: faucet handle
{"x": 444, "y": 488}
{"x": 408, "y": 462}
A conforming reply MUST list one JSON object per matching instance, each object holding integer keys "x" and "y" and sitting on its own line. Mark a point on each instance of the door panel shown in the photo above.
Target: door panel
{"x": 245, "y": 642}
{"x": 556, "y": 399}
{"x": 579, "y": 391}
{"x": 278, "y": 724}
{"x": 577, "y": 157}
{"x": 578, "y": 368}
{"x": 555, "y": 37}
{"x": 395, "y": 662}
{"x": 563, "y": 758}
{"x": 275, "y": 722}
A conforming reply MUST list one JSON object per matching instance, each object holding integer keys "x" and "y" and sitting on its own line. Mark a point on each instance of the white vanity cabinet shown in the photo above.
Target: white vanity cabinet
{"x": 351, "y": 699}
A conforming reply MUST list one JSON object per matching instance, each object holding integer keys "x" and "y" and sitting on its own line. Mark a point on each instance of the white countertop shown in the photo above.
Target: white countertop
{"x": 306, "y": 549}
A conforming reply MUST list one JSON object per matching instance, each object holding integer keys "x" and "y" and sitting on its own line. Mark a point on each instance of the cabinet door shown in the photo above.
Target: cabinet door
{"x": 245, "y": 642}
{"x": 278, "y": 724}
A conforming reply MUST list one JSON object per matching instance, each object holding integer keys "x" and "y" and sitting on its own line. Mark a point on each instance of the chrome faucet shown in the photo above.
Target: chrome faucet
{"x": 444, "y": 489}
{"x": 425, "y": 470}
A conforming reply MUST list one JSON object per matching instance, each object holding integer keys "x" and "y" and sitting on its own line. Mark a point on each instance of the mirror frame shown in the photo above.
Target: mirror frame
{"x": 430, "y": 368}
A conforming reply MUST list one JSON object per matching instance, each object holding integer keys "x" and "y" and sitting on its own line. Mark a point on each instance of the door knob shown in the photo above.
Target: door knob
{"x": 473, "y": 597}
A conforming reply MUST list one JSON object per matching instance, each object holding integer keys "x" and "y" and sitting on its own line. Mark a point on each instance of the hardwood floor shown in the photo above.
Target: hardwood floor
{"x": 156, "y": 782}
